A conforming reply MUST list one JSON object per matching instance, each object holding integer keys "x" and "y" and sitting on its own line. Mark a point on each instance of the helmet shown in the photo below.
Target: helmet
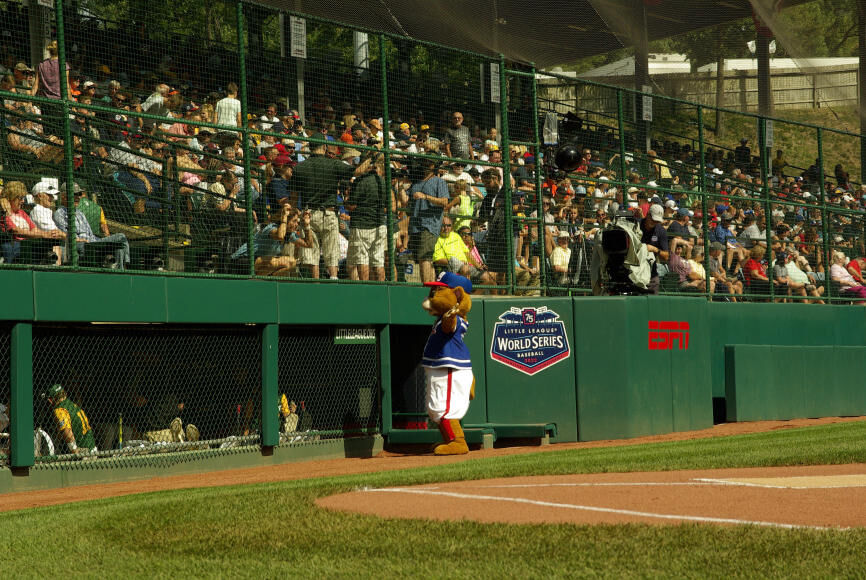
{"x": 567, "y": 158}
{"x": 55, "y": 391}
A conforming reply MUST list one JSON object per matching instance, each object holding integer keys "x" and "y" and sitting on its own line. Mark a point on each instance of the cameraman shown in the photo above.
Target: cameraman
{"x": 655, "y": 237}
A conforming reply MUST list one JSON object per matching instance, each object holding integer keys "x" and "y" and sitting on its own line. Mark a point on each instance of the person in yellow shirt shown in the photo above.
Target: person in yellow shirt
{"x": 450, "y": 252}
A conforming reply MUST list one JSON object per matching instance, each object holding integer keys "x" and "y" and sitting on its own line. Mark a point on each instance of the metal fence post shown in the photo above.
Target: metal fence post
{"x": 768, "y": 208}
{"x": 825, "y": 217}
{"x": 385, "y": 378}
{"x": 21, "y": 401}
{"x": 539, "y": 205}
{"x": 506, "y": 176}
{"x": 270, "y": 385}
{"x": 244, "y": 132}
{"x": 389, "y": 213}
{"x": 68, "y": 152}
{"x": 620, "y": 121}
{"x": 702, "y": 187}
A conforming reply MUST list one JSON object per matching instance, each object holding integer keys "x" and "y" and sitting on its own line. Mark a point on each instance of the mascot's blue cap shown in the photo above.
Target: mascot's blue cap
{"x": 452, "y": 280}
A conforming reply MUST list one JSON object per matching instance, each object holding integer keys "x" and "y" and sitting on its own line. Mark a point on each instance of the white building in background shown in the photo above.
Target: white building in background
{"x": 806, "y": 83}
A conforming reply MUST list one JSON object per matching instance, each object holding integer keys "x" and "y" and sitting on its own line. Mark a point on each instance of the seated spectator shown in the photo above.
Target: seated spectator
{"x": 450, "y": 252}
{"x": 848, "y": 287}
{"x": 280, "y": 234}
{"x": 698, "y": 272}
{"x": 678, "y": 264}
{"x": 24, "y": 138}
{"x": 680, "y": 229}
{"x": 797, "y": 276}
{"x": 17, "y": 223}
{"x": 115, "y": 245}
{"x": 477, "y": 267}
{"x": 723, "y": 284}
{"x": 754, "y": 272}
{"x": 526, "y": 278}
{"x": 724, "y": 234}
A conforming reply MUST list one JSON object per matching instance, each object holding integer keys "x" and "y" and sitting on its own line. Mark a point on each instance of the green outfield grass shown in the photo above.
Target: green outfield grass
{"x": 275, "y": 530}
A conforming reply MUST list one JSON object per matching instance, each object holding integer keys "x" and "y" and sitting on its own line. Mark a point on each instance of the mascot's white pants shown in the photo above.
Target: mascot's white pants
{"x": 447, "y": 392}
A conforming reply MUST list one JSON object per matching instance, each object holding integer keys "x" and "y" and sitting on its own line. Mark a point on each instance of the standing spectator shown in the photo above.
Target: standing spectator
{"x": 316, "y": 182}
{"x": 428, "y": 199}
{"x": 228, "y": 109}
{"x": 48, "y": 75}
{"x": 458, "y": 138}
{"x": 661, "y": 173}
{"x": 462, "y": 206}
{"x": 492, "y": 214}
{"x": 369, "y": 235}
{"x": 743, "y": 155}
{"x": 560, "y": 258}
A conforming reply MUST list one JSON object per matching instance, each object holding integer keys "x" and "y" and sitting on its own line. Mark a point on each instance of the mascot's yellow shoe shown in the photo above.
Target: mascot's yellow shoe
{"x": 455, "y": 441}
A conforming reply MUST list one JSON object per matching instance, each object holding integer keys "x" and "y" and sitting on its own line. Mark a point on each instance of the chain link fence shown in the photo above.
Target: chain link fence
{"x": 329, "y": 383}
{"x": 238, "y": 140}
{"x": 121, "y": 391}
{"x": 149, "y": 394}
{"x": 5, "y": 391}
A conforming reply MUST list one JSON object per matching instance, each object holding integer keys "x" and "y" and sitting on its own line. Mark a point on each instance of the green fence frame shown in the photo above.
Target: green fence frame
{"x": 507, "y": 75}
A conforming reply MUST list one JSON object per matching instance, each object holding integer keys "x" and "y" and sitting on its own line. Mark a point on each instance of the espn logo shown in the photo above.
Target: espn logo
{"x": 663, "y": 333}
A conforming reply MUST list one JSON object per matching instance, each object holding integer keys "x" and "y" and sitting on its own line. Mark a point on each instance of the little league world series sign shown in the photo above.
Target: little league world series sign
{"x": 529, "y": 339}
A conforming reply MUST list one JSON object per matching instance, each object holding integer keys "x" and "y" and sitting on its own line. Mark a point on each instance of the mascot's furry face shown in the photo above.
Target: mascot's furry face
{"x": 443, "y": 300}
{"x": 448, "y": 298}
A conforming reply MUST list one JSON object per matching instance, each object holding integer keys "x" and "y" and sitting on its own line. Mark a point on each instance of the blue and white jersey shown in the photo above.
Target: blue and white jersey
{"x": 447, "y": 350}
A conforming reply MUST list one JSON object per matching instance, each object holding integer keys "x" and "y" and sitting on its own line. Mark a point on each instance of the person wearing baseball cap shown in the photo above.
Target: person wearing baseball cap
{"x": 72, "y": 422}
{"x": 655, "y": 237}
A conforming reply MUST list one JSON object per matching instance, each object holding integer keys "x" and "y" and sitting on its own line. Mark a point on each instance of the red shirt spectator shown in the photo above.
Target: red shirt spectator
{"x": 754, "y": 268}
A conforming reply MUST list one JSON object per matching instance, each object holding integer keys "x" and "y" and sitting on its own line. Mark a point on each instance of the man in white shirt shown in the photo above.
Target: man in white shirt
{"x": 269, "y": 119}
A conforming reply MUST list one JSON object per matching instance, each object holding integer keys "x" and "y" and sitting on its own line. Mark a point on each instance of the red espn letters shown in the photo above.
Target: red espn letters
{"x": 663, "y": 333}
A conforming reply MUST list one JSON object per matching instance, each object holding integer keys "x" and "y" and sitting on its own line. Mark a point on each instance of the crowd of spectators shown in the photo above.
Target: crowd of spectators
{"x": 319, "y": 196}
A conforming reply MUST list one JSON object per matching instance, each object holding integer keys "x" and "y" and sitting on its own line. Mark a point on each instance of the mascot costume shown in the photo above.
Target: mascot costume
{"x": 447, "y": 368}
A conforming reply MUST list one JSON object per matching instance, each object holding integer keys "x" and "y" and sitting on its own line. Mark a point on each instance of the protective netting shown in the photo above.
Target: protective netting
{"x": 330, "y": 380}
{"x": 247, "y": 140}
{"x": 113, "y": 391}
{"x": 5, "y": 392}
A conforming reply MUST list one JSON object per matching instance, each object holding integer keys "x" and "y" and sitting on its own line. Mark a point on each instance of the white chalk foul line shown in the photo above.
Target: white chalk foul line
{"x": 702, "y": 519}
{"x": 769, "y": 486}
{"x": 602, "y": 484}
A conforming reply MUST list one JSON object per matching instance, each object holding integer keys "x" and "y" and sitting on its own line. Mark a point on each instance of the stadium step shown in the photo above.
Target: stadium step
{"x": 484, "y": 434}
{"x": 474, "y": 436}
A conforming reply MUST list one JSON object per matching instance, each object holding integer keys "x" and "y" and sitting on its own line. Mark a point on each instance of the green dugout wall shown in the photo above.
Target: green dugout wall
{"x": 570, "y": 368}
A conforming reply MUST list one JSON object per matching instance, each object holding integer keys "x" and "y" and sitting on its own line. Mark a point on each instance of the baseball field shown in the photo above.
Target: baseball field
{"x": 809, "y": 524}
